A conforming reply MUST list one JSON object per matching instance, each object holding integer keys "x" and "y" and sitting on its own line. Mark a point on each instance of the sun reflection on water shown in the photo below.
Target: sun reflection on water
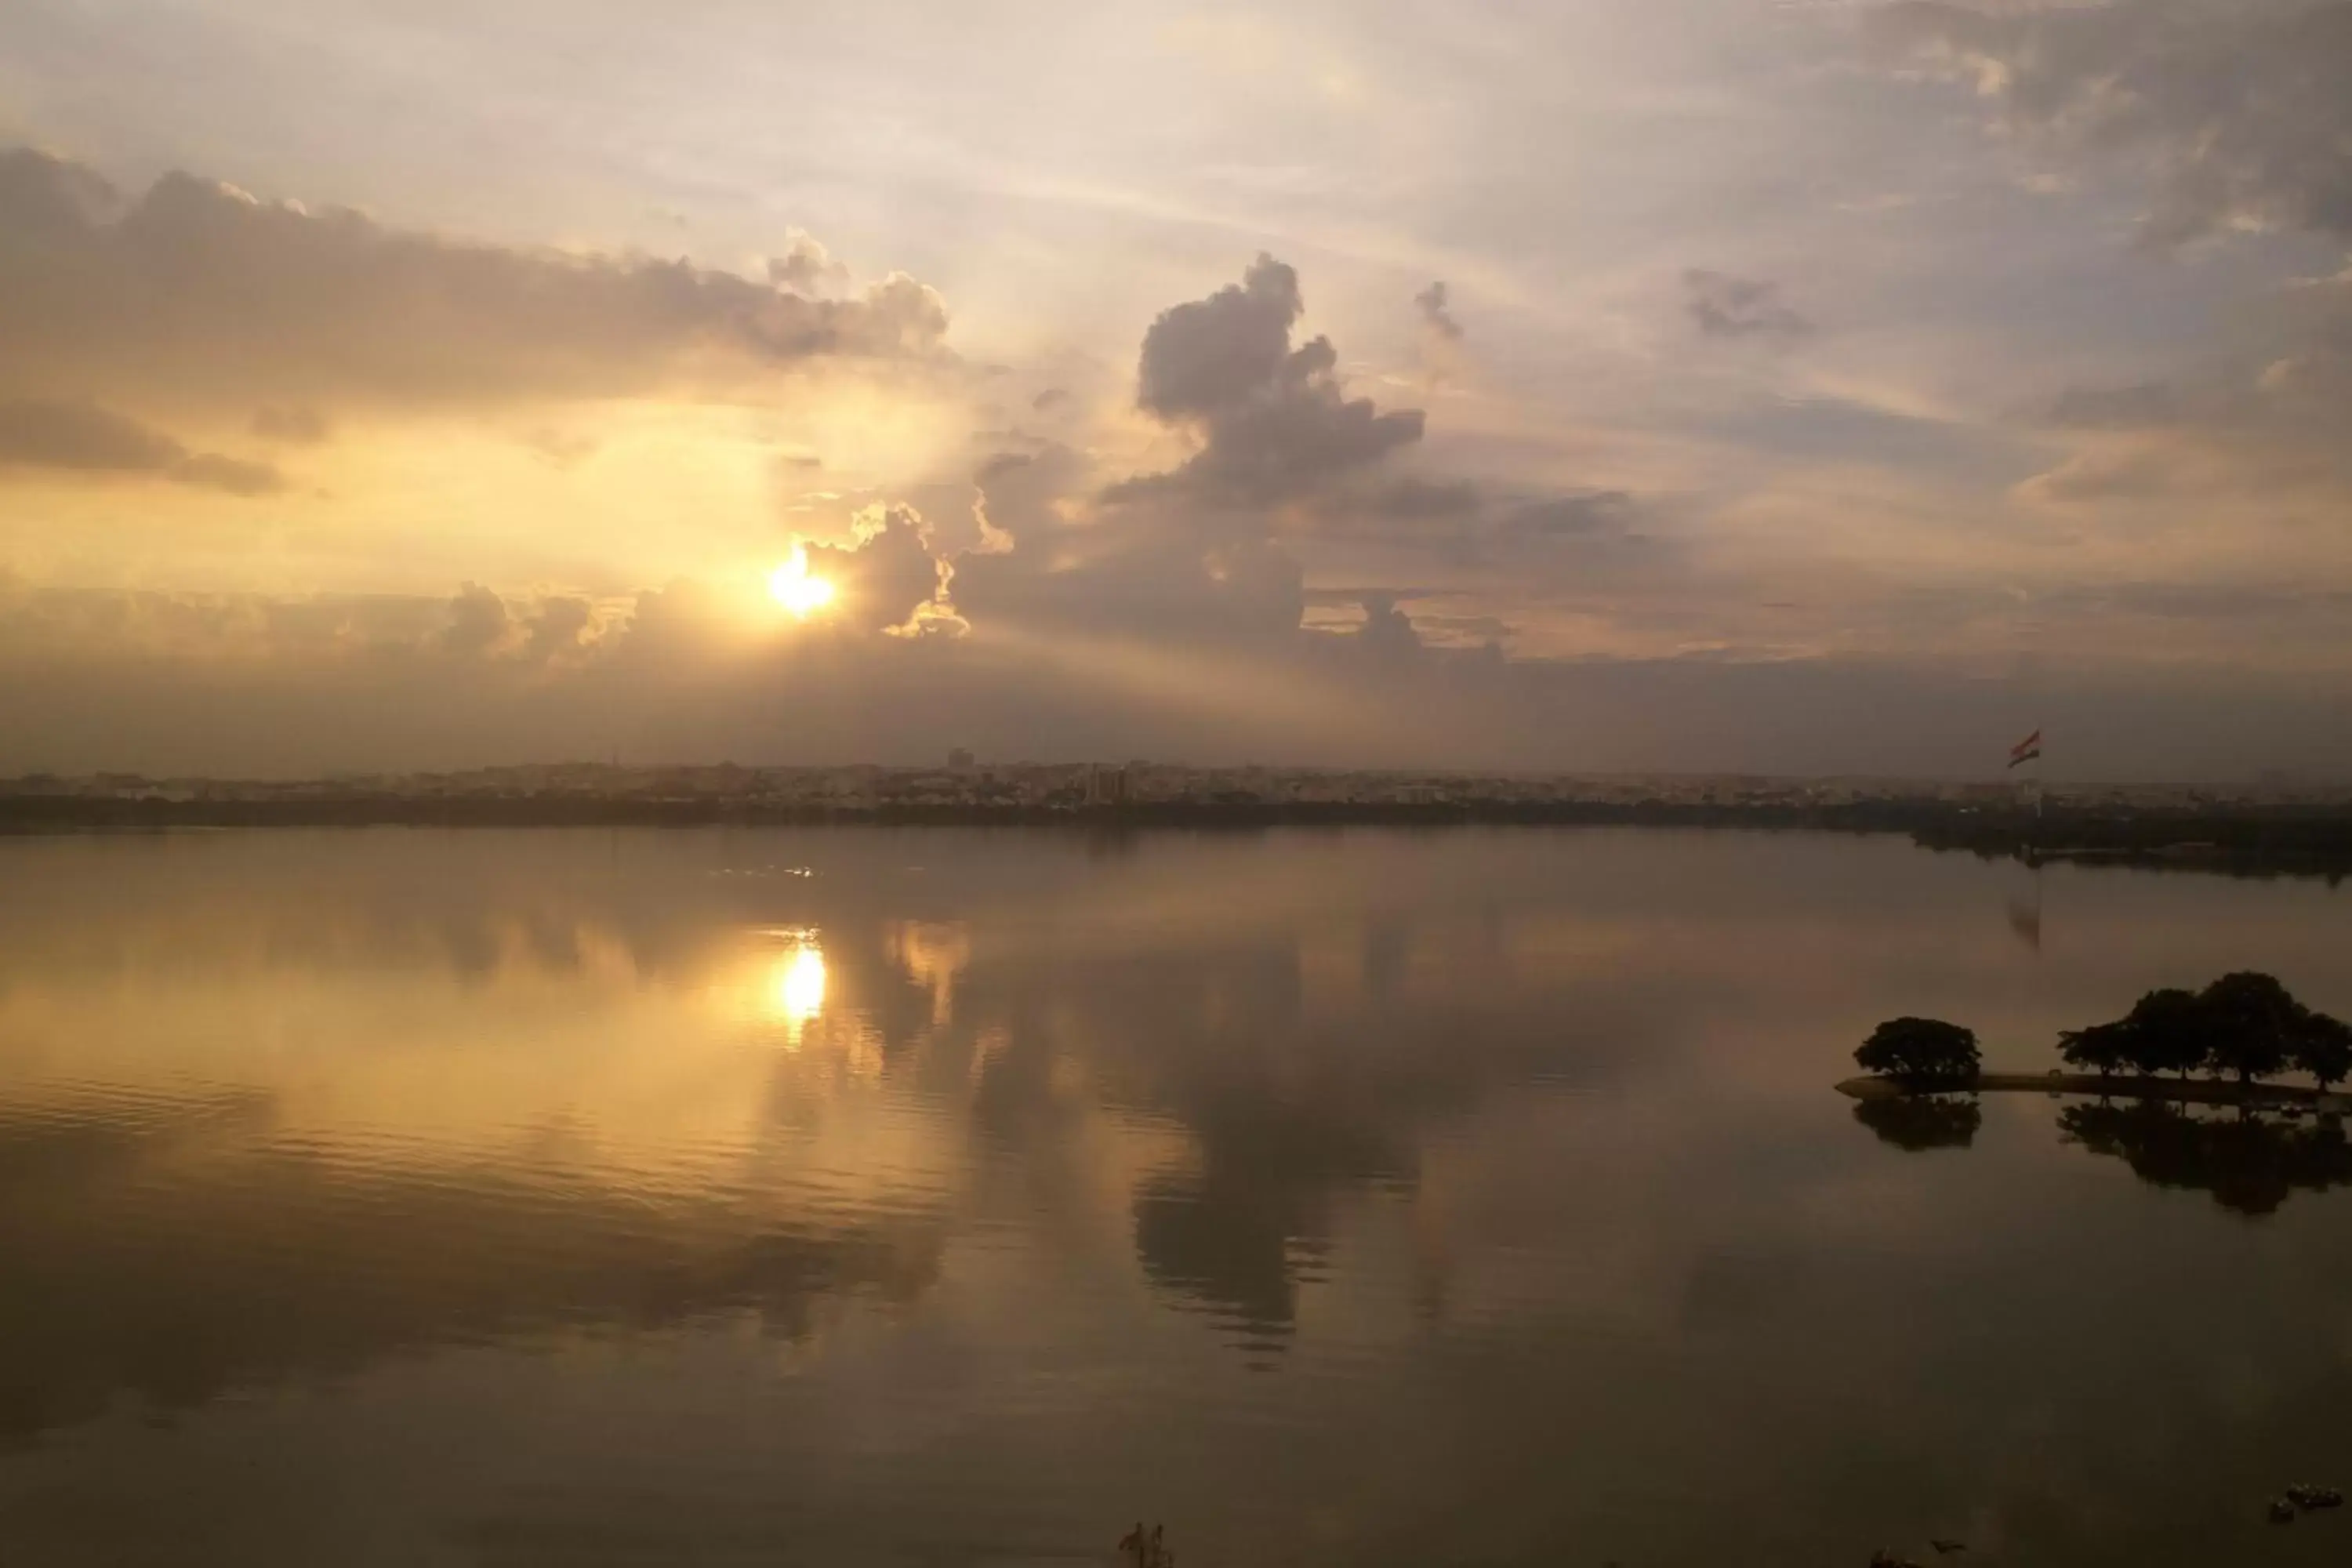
{"x": 795, "y": 985}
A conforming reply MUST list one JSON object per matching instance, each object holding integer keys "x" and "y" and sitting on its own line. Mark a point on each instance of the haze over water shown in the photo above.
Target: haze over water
{"x": 860, "y": 1197}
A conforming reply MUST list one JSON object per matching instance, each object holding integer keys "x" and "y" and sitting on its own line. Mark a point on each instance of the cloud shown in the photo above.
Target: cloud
{"x": 807, "y": 266}
{"x": 1441, "y": 354}
{"x": 2098, "y": 475}
{"x": 1728, "y": 306}
{"x": 296, "y": 424}
{"x": 477, "y": 621}
{"x": 196, "y": 292}
{"x": 1387, "y": 633}
{"x": 258, "y": 686}
{"x": 2260, "y": 425}
{"x": 84, "y": 438}
{"x": 561, "y": 624}
{"x": 2140, "y": 406}
{"x": 1570, "y": 516}
{"x": 1274, "y": 421}
{"x": 1415, "y": 498}
{"x": 2240, "y": 113}
{"x": 1434, "y": 314}
{"x": 885, "y": 580}
{"x": 1206, "y": 356}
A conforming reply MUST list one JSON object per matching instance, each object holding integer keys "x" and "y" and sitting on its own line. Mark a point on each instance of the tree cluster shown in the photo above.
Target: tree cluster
{"x": 2244, "y": 1026}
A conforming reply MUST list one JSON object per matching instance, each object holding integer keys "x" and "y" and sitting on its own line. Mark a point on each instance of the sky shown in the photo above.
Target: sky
{"x": 1768, "y": 385}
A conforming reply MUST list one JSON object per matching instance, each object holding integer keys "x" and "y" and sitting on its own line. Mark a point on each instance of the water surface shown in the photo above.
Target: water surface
{"x": 861, "y": 1196}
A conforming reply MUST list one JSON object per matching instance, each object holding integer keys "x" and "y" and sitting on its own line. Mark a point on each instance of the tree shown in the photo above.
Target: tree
{"x": 2323, "y": 1047}
{"x": 1923, "y": 1050}
{"x": 2166, "y": 1031}
{"x": 2252, "y": 1024}
{"x": 2101, "y": 1047}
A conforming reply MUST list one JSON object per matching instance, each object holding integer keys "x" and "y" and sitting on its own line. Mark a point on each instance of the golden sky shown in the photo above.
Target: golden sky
{"x": 1703, "y": 384}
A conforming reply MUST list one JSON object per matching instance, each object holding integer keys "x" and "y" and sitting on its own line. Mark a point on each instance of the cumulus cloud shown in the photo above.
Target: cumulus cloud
{"x": 1274, "y": 421}
{"x": 1725, "y": 306}
{"x": 194, "y": 291}
{"x": 477, "y": 621}
{"x": 886, "y": 579}
{"x": 2240, "y": 112}
{"x": 561, "y": 625}
{"x": 85, "y": 439}
{"x": 1387, "y": 631}
{"x": 807, "y": 266}
{"x": 482, "y": 623}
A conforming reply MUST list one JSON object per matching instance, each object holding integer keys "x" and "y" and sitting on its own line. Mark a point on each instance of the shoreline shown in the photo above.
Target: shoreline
{"x": 2241, "y": 838}
{"x": 2190, "y": 1091}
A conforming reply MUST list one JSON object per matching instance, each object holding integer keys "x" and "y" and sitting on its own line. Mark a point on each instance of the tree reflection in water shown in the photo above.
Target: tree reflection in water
{"x": 1917, "y": 1122}
{"x": 2250, "y": 1164}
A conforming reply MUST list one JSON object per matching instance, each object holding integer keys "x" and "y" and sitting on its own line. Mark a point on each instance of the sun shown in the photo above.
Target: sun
{"x": 790, "y": 585}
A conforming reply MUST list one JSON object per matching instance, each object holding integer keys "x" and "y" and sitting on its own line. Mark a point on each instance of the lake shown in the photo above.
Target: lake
{"x": 962, "y": 1196}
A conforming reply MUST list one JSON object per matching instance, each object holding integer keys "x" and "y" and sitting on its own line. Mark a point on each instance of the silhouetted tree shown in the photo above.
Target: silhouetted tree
{"x": 2252, "y": 1024}
{"x": 2101, "y": 1047}
{"x": 1923, "y": 1050}
{"x": 2323, "y": 1047}
{"x": 2167, "y": 1032}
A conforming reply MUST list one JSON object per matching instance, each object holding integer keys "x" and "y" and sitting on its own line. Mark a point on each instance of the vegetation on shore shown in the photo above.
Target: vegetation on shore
{"x": 2245, "y": 1026}
{"x": 2239, "y": 1031}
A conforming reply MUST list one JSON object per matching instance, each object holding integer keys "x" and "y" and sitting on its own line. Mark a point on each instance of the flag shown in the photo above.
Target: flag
{"x": 2027, "y": 750}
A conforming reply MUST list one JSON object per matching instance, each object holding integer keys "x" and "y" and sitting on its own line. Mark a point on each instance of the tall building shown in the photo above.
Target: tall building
{"x": 1105, "y": 786}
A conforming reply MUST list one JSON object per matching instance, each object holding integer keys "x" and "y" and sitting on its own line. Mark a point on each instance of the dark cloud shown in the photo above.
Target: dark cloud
{"x": 1052, "y": 400}
{"x": 1387, "y": 631}
{"x": 82, "y": 438}
{"x": 1728, "y": 306}
{"x": 197, "y": 292}
{"x": 2241, "y": 112}
{"x": 1274, "y": 421}
{"x": 1434, "y": 313}
{"x": 1206, "y": 356}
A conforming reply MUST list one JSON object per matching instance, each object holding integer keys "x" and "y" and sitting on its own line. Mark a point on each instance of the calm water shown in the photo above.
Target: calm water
{"x": 941, "y": 1197}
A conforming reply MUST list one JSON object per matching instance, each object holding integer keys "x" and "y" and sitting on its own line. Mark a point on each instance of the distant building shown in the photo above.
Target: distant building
{"x": 961, "y": 761}
{"x": 1105, "y": 786}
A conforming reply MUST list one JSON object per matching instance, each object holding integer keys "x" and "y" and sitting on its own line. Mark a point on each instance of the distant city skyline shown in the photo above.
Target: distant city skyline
{"x": 1678, "y": 387}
